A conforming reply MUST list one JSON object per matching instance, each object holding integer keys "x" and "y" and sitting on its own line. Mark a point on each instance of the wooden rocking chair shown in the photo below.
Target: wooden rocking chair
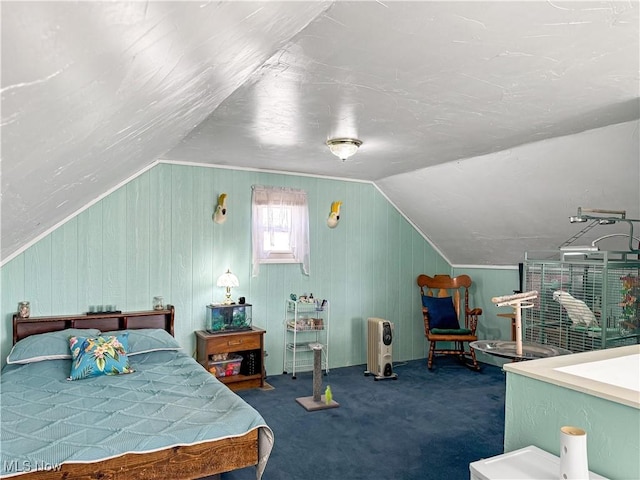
{"x": 441, "y": 306}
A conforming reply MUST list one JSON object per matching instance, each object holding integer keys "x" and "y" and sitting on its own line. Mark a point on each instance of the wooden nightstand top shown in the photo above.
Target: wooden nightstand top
{"x": 205, "y": 334}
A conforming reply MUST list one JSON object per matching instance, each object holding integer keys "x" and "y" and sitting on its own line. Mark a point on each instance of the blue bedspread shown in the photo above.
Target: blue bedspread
{"x": 170, "y": 400}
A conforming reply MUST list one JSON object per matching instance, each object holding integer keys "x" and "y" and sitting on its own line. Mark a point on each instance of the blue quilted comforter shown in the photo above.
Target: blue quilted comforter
{"x": 170, "y": 400}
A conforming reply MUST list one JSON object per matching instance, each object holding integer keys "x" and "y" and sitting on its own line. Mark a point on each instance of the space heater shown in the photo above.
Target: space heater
{"x": 380, "y": 349}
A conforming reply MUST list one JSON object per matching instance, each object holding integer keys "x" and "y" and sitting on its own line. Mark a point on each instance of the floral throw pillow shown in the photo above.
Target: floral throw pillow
{"x": 99, "y": 355}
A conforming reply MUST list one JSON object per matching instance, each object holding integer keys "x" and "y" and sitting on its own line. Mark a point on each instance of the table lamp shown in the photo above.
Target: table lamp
{"x": 227, "y": 280}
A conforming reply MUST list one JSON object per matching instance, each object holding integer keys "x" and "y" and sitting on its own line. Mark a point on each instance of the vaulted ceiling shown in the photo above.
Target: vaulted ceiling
{"x": 486, "y": 123}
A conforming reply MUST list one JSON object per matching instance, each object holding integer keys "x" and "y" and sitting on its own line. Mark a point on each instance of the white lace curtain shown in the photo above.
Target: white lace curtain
{"x": 280, "y": 226}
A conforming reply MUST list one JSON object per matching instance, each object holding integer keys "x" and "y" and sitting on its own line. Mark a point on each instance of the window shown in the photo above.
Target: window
{"x": 280, "y": 226}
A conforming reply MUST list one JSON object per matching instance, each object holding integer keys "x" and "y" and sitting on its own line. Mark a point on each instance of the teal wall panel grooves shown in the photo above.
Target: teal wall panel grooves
{"x": 155, "y": 236}
{"x": 489, "y": 283}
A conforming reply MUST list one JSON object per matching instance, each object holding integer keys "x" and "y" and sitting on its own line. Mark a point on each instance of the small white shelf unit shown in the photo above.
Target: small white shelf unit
{"x": 305, "y": 324}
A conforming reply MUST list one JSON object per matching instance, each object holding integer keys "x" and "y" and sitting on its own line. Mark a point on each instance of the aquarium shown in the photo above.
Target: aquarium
{"x": 228, "y": 318}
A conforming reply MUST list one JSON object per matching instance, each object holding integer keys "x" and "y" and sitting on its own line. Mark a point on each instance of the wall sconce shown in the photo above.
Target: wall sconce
{"x": 220, "y": 214}
{"x": 334, "y": 215}
{"x": 344, "y": 148}
{"x": 227, "y": 280}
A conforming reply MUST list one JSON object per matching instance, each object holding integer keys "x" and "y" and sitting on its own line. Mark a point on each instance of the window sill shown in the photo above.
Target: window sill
{"x": 279, "y": 260}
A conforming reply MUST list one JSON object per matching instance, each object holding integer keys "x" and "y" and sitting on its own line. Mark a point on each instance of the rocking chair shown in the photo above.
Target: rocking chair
{"x": 441, "y": 306}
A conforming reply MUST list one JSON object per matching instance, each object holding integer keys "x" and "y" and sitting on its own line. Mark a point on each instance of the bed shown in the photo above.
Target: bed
{"x": 169, "y": 419}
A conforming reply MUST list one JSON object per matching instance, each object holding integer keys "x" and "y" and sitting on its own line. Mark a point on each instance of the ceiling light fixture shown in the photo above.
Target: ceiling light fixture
{"x": 343, "y": 148}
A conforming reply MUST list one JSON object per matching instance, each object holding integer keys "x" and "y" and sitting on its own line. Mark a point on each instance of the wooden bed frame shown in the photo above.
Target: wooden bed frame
{"x": 174, "y": 463}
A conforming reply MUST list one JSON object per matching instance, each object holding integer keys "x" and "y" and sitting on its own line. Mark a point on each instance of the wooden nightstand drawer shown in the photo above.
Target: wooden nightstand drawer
{"x": 233, "y": 343}
{"x": 248, "y": 344}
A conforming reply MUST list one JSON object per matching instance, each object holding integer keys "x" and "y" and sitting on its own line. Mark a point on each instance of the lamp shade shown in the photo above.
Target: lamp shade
{"x": 227, "y": 279}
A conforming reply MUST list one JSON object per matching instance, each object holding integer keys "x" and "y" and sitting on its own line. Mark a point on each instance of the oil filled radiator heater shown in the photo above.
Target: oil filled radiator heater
{"x": 380, "y": 349}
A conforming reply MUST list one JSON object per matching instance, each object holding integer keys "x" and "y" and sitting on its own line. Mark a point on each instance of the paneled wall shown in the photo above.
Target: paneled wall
{"x": 489, "y": 283}
{"x": 155, "y": 236}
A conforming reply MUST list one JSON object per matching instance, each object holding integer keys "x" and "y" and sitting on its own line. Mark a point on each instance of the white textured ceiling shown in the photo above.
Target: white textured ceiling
{"x": 447, "y": 97}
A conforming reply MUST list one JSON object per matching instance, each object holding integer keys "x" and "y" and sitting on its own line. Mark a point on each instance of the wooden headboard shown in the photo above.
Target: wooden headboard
{"x": 23, "y": 327}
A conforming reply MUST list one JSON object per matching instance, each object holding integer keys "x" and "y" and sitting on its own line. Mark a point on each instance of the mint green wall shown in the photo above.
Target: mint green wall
{"x": 535, "y": 411}
{"x": 489, "y": 283}
{"x": 155, "y": 236}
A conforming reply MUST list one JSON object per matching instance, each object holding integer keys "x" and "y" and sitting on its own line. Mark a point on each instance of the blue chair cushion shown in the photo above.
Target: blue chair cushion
{"x": 442, "y": 315}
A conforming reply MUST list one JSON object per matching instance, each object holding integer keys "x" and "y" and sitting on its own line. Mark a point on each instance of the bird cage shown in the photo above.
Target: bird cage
{"x": 586, "y": 301}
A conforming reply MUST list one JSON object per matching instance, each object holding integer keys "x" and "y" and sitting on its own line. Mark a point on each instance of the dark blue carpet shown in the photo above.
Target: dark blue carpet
{"x": 424, "y": 425}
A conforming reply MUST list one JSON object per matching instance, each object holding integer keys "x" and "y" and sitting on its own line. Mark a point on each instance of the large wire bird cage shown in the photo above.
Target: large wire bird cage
{"x": 587, "y": 299}
{"x": 585, "y": 304}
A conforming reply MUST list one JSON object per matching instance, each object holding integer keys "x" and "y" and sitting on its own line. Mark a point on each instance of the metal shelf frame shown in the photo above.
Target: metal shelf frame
{"x": 305, "y": 324}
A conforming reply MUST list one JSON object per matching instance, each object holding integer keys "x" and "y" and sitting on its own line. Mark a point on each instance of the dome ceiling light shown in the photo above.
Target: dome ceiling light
{"x": 343, "y": 148}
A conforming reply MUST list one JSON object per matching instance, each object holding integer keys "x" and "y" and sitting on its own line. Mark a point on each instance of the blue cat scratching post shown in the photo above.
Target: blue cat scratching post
{"x": 317, "y": 401}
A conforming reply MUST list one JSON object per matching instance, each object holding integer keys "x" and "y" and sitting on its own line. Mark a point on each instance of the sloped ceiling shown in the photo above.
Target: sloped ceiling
{"x": 93, "y": 92}
{"x": 486, "y": 123}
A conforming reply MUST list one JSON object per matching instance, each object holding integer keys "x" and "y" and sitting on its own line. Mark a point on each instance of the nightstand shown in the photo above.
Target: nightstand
{"x": 249, "y": 344}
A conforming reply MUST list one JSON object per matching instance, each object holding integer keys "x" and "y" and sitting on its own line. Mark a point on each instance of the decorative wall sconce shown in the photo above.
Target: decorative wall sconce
{"x": 344, "y": 148}
{"x": 334, "y": 216}
{"x": 220, "y": 214}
